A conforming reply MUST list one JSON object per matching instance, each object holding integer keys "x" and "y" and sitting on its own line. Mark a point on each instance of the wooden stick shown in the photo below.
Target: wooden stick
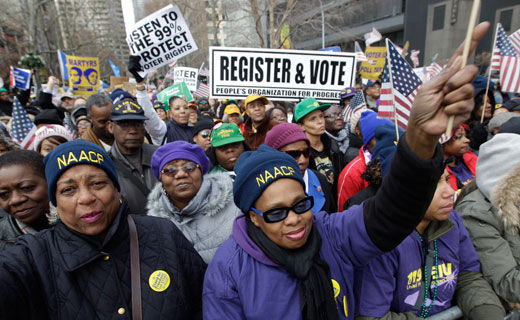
{"x": 392, "y": 90}
{"x": 467, "y": 43}
{"x": 489, "y": 78}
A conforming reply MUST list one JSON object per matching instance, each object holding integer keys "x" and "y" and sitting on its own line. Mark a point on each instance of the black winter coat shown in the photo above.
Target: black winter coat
{"x": 62, "y": 274}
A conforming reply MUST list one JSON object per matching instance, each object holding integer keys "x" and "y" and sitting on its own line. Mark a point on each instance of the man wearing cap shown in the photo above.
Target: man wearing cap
{"x": 258, "y": 123}
{"x": 132, "y": 157}
{"x": 232, "y": 115}
{"x": 67, "y": 101}
{"x": 227, "y": 145}
{"x": 202, "y": 131}
{"x": 345, "y": 96}
{"x": 372, "y": 93}
{"x": 99, "y": 107}
{"x": 160, "y": 110}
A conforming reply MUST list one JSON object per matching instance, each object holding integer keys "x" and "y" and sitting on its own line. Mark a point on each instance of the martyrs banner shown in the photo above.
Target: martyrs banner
{"x": 160, "y": 38}
{"x": 83, "y": 75}
{"x": 20, "y": 78}
{"x": 178, "y": 89}
{"x": 280, "y": 74}
{"x": 373, "y": 68}
{"x": 186, "y": 75}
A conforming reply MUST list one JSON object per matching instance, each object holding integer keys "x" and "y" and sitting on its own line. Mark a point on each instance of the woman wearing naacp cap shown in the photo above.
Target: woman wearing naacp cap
{"x": 281, "y": 258}
{"x": 199, "y": 204}
{"x": 80, "y": 269}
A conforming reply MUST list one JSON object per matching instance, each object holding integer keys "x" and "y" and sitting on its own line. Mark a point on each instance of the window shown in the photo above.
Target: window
{"x": 438, "y": 17}
{"x": 505, "y": 19}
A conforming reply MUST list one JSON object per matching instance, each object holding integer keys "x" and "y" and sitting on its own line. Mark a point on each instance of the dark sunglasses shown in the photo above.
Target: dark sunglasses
{"x": 296, "y": 154}
{"x": 205, "y": 134}
{"x": 278, "y": 214}
{"x": 171, "y": 171}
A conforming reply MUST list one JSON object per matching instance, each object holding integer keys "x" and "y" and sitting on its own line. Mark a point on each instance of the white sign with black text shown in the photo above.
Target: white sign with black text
{"x": 280, "y": 74}
{"x": 188, "y": 75}
{"x": 160, "y": 38}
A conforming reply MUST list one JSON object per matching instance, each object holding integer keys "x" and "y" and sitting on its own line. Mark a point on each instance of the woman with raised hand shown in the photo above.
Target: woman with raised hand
{"x": 281, "y": 258}
{"x": 81, "y": 268}
{"x": 199, "y": 204}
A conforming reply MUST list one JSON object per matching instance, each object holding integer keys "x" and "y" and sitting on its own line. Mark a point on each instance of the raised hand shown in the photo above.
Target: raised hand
{"x": 450, "y": 93}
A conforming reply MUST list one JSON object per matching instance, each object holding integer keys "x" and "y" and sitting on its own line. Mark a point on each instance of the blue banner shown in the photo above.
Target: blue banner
{"x": 62, "y": 58}
{"x": 20, "y": 78}
{"x": 115, "y": 69}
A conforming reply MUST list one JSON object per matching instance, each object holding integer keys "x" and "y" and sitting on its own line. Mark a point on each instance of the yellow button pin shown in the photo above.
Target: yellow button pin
{"x": 159, "y": 280}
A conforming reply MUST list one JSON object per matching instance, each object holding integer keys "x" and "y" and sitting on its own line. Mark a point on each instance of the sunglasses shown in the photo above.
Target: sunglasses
{"x": 296, "y": 154}
{"x": 278, "y": 214}
{"x": 205, "y": 134}
{"x": 171, "y": 171}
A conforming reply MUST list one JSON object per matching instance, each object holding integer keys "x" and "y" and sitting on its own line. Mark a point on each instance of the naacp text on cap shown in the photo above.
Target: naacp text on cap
{"x": 90, "y": 156}
{"x": 274, "y": 172}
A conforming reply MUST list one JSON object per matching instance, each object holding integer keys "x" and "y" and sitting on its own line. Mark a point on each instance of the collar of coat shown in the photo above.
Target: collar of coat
{"x": 77, "y": 249}
{"x": 505, "y": 198}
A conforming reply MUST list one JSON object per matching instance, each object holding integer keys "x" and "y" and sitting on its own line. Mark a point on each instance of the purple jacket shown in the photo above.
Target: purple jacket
{"x": 242, "y": 282}
{"x": 393, "y": 281}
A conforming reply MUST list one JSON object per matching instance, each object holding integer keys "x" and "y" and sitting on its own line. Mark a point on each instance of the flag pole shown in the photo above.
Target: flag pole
{"x": 392, "y": 90}
{"x": 489, "y": 77}
{"x": 467, "y": 42}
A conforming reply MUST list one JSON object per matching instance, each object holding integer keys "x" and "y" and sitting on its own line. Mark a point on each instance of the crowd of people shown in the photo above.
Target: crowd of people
{"x": 130, "y": 207}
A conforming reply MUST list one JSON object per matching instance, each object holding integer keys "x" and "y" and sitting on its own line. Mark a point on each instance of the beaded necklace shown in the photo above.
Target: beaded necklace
{"x": 426, "y": 310}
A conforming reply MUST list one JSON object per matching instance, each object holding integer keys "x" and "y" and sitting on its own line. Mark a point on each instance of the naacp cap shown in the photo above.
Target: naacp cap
{"x": 72, "y": 153}
{"x": 127, "y": 110}
{"x": 256, "y": 170}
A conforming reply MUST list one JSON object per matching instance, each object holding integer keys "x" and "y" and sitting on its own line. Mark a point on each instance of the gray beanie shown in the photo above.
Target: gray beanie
{"x": 500, "y": 119}
{"x": 496, "y": 157}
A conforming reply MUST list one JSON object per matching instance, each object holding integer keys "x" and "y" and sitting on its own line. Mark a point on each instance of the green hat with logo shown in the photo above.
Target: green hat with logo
{"x": 225, "y": 133}
{"x": 307, "y": 106}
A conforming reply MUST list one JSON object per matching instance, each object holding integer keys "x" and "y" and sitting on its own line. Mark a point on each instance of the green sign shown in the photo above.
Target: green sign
{"x": 178, "y": 89}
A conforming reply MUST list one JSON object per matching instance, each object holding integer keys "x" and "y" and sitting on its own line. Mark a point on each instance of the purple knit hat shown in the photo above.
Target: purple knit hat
{"x": 178, "y": 150}
{"x": 283, "y": 134}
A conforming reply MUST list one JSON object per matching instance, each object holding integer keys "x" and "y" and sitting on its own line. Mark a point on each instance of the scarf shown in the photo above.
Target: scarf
{"x": 306, "y": 265}
{"x": 342, "y": 139}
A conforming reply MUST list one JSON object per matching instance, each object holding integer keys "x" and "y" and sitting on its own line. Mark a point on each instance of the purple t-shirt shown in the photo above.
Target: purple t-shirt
{"x": 463, "y": 174}
{"x": 393, "y": 282}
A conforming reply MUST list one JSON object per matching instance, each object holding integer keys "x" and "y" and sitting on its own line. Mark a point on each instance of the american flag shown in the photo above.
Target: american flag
{"x": 509, "y": 66}
{"x": 405, "y": 83}
{"x": 202, "y": 90}
{"x": 68, "y": 124}
{"x": 502, "y": 40}
{"x": 415, "y": 57}
{"x": 22, "y": 128}
{"x": 357, "y": 102}
{"x": 433, "y": 70}
{"x": 204, "y": 72}
{"x": 359, "y": 53}
{"x": 172, "y": 64}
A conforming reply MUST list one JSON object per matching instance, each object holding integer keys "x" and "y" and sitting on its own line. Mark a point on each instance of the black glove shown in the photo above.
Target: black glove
{"x": 134, "y": 66}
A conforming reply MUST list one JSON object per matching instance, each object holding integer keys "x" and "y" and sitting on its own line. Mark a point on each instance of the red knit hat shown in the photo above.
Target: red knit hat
{"x": 284, "y": 134}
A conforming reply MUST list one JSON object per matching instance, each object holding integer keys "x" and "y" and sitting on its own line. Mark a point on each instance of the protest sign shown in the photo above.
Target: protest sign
{"x": 83, "y": 75}
{"x": 20, "y": 78}
{"x": 115, "y": 68}
{"x": 186, "y": 75}
{"x": 280, "y": 74}
{"x": 161, "y": 38}
{"x": 178, "y": 89}
{"x": 373, "y": 68}
{"x": 117, "y": 82}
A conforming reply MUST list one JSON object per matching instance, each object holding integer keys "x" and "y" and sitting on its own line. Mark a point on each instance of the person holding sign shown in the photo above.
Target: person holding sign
{"x": 281, "y": 258}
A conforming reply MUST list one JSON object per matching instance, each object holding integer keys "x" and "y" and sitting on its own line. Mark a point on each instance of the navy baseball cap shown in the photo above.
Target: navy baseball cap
{"x": 127, "y": 110}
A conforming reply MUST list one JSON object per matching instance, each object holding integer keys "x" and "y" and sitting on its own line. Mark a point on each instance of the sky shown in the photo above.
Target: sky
{"x": 128, "y": 14}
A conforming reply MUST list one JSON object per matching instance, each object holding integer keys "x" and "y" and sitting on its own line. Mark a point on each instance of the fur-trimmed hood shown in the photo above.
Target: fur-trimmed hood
{"x": 506, "y": 198}
{"x": 215, "y": 193}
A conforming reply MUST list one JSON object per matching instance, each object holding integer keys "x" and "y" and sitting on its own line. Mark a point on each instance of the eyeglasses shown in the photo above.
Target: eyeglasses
{"x": 296, "y": 154}
{"x": 333, "y": 115}
{"x": 171, "y": 171}
{"x": 278, "y": 214}
{"x": 205, "y": 134}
